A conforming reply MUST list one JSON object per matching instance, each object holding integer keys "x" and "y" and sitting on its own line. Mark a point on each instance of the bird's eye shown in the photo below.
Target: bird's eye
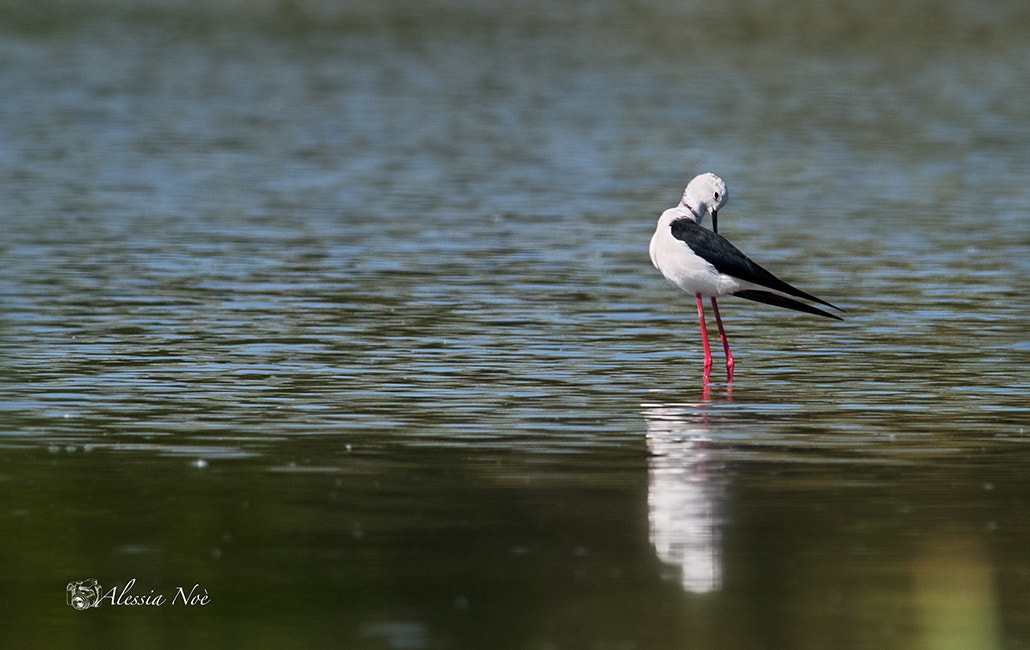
{"x": 716, "y": 196}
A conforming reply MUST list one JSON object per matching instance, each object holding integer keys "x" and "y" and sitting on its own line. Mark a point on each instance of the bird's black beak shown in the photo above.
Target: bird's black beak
{"x": 715, "y": 221}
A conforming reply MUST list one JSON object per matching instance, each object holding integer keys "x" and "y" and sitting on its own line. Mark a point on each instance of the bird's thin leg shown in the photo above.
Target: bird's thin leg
{"x": 704, "y": 337}
{"x": 725, "y": 342}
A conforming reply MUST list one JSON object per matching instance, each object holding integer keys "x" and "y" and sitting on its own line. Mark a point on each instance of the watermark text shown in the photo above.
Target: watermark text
{"x": 85, "y": 594}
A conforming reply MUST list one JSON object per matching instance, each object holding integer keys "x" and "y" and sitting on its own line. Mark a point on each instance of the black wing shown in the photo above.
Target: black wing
{"x": 726, "y": 258}
{"x": 782, "y": 301}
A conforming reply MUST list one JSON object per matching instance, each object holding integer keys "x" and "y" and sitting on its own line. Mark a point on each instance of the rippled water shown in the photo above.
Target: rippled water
{"x": 346, "y": 317}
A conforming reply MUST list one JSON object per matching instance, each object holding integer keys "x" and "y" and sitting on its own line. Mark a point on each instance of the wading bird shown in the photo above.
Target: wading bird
{"x": 706, "y": 265}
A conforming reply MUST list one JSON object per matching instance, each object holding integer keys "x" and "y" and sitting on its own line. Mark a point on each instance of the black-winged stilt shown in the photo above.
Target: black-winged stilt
{"x": 704, "y": 264}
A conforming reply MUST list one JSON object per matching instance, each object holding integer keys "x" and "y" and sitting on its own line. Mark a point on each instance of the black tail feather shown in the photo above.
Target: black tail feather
{"x": 782, "y": 301}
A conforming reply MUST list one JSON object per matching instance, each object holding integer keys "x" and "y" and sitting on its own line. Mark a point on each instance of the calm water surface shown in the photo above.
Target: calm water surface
{"x": 345, "y": 318}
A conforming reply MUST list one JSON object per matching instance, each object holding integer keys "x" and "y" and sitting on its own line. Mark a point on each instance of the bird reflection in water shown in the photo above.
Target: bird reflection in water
{"x": 684, "y": 495}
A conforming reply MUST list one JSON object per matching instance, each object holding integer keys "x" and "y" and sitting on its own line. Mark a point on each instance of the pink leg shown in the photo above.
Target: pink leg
{"x": 725, "y": 342}
{"x": 704, "y": 337}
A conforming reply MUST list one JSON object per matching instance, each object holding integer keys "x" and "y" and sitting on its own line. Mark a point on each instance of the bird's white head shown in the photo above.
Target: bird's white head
{"x": 706, "y": 193}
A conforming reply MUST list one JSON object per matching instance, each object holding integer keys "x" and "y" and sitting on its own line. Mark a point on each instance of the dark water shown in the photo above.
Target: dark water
{"x": 344, "y": 318}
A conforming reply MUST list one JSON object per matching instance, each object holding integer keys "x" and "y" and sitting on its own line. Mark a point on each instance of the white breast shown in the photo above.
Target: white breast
{"x": 685, "y": 269}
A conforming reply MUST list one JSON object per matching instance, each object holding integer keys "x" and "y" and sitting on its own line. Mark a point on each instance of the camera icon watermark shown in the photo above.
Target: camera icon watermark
{"x": 83, "y": 594}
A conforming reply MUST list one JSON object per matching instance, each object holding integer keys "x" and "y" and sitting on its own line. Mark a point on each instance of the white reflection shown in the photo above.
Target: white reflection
{"x": 682, "y": 499}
